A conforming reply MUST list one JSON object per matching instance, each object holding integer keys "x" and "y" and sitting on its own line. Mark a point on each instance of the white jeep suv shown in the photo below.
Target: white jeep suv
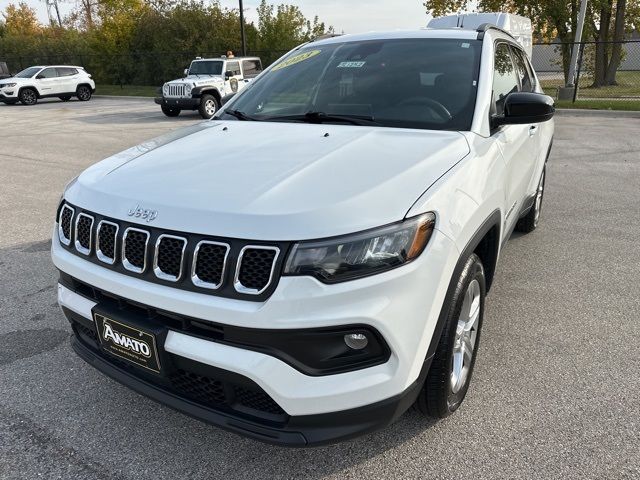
{"x": 206, "y": 82}
{"x": 314, "y": 260}
{"x": 33, "y": 83}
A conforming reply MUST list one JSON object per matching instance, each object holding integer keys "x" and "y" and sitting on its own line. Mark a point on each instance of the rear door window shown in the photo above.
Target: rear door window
{"x": 251, "y": 68}
{"x": 66, "y": 71}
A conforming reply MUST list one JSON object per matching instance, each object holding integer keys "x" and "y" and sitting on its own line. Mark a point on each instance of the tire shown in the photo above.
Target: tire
{"x": 529, "y": 222}
{"x": 209, "y": 105}
{"x": 170, "y": 112}
{"x": 28, "y": 96}
{"x": 65, "y": 98}
{"x": 451, "y": 369}
{"x": 83, "y": 93}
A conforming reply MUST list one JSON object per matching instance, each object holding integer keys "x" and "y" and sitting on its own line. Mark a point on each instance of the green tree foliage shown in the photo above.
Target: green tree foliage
{"x": 283, "y": 27}
{"x": 147, "y": 42}
{"x": 606, "y": 20}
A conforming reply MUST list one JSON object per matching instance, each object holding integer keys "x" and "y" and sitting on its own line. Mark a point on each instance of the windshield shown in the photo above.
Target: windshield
{"x": 28, "y": 73}
{"x": 206, "y": 68}
{"x": 410, "y": 83}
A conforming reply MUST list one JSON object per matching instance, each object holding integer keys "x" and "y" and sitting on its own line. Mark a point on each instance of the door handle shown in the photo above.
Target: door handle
{"x": 533, "y": 129}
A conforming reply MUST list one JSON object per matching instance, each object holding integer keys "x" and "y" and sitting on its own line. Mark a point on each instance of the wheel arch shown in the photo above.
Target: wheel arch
{"x": 84, "y": 84}
{"x": 29, "y": 87}
{"x": 209, "y": 91}
{"x": 485, "y": 243}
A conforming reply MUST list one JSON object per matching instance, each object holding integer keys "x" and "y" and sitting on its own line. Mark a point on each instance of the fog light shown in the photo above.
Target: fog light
{"x": 356, "y": 341}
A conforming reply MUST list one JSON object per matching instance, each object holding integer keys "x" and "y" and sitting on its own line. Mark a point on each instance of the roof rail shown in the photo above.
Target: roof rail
{"x": 482, "y": 29}
{"x": 327, "y": 35}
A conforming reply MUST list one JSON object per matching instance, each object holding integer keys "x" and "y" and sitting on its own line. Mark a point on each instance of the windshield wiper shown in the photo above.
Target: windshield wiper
{"x": 240, "y": 115}
{"x": 321, "y": 117}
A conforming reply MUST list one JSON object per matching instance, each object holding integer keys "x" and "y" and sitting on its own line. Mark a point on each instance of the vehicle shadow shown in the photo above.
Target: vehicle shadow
{"x": 96, "y": 418}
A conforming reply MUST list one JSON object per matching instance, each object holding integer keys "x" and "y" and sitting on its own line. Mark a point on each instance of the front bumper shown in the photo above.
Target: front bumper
{"x": 217, "y": 396}
{"x": 9, "y": 94}
{"x": 298, "y": 431}
{"x": 181, "y": 103}
{"x": 403, "y": 305}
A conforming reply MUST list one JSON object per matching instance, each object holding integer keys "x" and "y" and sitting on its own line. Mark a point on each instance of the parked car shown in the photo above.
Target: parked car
{"x": 4, "y": 71}
{"x": 315, "y": 259}
{"x": 34, "y": 83}
{"x": 206, "y": 82}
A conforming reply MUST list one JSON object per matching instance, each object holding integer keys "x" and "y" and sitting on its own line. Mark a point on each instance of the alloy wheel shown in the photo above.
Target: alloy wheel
{"x": 465, "y": 339}
{"x": 84, "y": 93}
{"x": 29, "y": 97}
{"x": 210, "y": 107}
{"x": 538, "y": 204}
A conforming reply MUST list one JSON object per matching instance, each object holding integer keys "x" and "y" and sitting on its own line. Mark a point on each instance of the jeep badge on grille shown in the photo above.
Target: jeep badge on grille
{"x": 143, "y": 213}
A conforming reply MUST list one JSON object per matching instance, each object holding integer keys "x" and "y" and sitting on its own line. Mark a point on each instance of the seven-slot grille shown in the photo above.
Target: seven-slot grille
{"x": 176, "y": 90}
{"x": 232, "y": 268}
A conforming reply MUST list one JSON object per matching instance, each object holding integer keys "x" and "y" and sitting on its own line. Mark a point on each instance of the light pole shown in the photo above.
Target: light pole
{"x": 244, "y": 40}
{"x": 569, "y": 92}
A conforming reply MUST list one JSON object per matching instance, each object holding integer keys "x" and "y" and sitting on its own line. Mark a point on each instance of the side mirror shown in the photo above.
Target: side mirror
{"x": 525, "y": 107}
{"x": 186, "y": 72}
{"x": 227, "y": 98}
{"x": 228, "y": 74}
{"x": 39, "y": 77}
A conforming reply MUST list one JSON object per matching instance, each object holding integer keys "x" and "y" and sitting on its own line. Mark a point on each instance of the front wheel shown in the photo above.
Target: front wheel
{"x": 170, "y": 112}
{"x": 28, "y": 96}
{"x": 450, "y": 373}
{"x": 83, "y": 93}
{"x": 209, "y": 105}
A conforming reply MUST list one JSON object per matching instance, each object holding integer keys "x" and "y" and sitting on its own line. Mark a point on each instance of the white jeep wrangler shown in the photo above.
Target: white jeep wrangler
{"x": 205, "y": 83}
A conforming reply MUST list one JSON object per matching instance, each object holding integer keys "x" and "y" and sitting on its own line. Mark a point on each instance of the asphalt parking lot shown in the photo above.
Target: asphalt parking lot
{"x": 556, "y": 385}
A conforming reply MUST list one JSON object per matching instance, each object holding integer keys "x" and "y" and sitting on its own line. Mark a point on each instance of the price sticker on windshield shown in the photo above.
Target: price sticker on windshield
{"x": 351, "y": 64}
{"x": 301, "y": 57}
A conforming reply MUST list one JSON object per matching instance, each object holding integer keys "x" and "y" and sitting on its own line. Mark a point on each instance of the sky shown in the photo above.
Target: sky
{"x": 350, "y": 16}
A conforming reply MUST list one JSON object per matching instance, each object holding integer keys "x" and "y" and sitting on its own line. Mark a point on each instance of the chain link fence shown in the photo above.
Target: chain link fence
{"x": 598, "y": 79}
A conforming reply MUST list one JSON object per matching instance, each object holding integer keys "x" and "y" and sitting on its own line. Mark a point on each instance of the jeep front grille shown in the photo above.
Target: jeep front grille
{"x": 176, "y": 90}
{"x": 224, "y": 267}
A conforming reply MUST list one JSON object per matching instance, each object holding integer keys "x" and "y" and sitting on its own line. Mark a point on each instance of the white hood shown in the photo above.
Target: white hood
{"x": 271, "y": 181}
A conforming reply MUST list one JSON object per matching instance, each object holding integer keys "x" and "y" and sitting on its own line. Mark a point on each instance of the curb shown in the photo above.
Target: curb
{"x": 124, "y": 97}
{"x": 585, "y": 112}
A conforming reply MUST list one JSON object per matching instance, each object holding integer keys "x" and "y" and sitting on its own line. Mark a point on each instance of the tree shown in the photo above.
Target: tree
{"x": 21, "y": 20}
{"x": 285, "y": 26}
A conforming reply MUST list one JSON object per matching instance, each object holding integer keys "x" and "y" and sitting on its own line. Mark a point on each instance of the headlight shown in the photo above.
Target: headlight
{"x": 187, "y": 89}
{"x": 165, "y": 88}
{"x": 362, "y": 254}
{"x": 7, "y": 85}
